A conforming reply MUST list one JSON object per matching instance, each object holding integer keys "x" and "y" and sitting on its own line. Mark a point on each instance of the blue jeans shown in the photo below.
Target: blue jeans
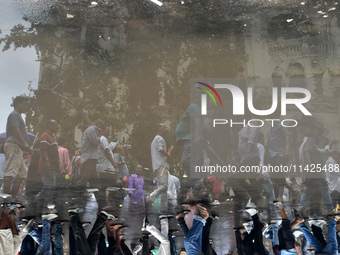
{"x": 332, "y": 244}
{"x": 28, "y": 246}
{"x": 338, "y": 239}
{"x": 36, "y": 235}
{"x": 193, "y": 239}
{"x": 314, "y": 185}
{"x": 45, "y": 245}
{"x": 288, "y": 252}
{"x": 58, "y": 240}
{"x": 172, "y": 244}
{"x": 183, "y": 225}
{"x": 304, "y": 246}
{"x": 273, "y": 231}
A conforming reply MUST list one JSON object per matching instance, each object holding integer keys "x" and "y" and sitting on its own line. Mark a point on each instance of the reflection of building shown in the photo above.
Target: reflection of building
{"x": 301, "y": 52}
{"x": 281, "y": 43}
{"x": 62, "y": 63}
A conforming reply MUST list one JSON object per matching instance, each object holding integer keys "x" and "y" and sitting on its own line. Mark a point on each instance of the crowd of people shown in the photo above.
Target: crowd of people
{"x": 278, "y": 206}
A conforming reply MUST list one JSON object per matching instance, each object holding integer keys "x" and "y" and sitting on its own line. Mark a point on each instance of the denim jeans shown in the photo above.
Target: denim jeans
{"x": 28, "y": 246}
{"x": 193, "y": 239}
{"x": 172, "y": 244}
{"x": 288, "y": 252}
{"x": 45, "y": 245}
{"x": 58, "y": 240}
{"x": 36, "y": 235}
{"x": 338, "y": 239}
{"x": 183, "y": 225}
{"x": 332, "y": 244}
{"x": 317, "y": 232}
{"x": 304, "y": 246}
{"x": 273, "y": 231}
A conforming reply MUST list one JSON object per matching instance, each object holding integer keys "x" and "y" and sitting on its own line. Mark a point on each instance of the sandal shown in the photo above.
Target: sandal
{"x": 278, "y": 204}
{"x": 297, "y": 214}
{"x": 12, "y": 208}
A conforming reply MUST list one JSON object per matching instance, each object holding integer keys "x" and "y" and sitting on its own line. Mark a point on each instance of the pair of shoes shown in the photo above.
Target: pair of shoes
{"x": 77, "y": 210}
{"x": 12, "y": 207}
{"x": 86, "y": 223}
{"x": 297, "y": 233}
{"x": 267, "y": 232}
{"x": 5, "y": 195}
{"x": 165, "y": 216}
{"x": 250, "y": 204}
{"x": 317, "y": 223}
{"x": 215, "y": 203}
{"x": 109, "y": 216}
{"x": 49, "y": 217}
{"x": 297, "y": 214}
{"x": 251, "y": 211}
{"x": 278, "y": 203}
{"x": 92, "y": 190}
{"x": 277, "y": 222}
{"x": 145, "y": 224}
{"x": 28, "y": 226}
{"x": 51, "y": 206}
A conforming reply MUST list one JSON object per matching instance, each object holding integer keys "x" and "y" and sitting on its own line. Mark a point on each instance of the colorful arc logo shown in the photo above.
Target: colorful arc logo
{"x": 208, "y": 92}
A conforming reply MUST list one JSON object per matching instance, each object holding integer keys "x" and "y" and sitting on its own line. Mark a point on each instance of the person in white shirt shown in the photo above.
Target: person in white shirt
{"x": 106, "y": 167}
{"x": 173, "y": 186}
{"x": 333, "y": 175}
{"x": 160, "y": 167}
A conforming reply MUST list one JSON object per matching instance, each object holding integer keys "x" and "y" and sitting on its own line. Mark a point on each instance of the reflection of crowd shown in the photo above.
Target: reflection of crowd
{"x": 265, "y": 206}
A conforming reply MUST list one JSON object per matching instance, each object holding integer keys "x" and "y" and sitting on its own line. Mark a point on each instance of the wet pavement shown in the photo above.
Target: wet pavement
{"x": 135, "y": 64}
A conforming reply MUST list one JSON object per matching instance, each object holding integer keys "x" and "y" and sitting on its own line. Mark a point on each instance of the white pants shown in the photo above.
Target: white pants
{"x": 161, "y": 236}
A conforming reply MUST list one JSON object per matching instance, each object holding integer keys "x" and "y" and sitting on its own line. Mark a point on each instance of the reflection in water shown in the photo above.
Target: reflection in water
{"x": 121, "y": 184}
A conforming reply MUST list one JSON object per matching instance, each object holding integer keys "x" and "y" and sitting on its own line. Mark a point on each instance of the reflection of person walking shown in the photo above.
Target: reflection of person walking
{"x": 48, "y": 163}
{"x": 160, "y": 167}
{"x": 16, "y": 143}
{"x": 89, "y": 156}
